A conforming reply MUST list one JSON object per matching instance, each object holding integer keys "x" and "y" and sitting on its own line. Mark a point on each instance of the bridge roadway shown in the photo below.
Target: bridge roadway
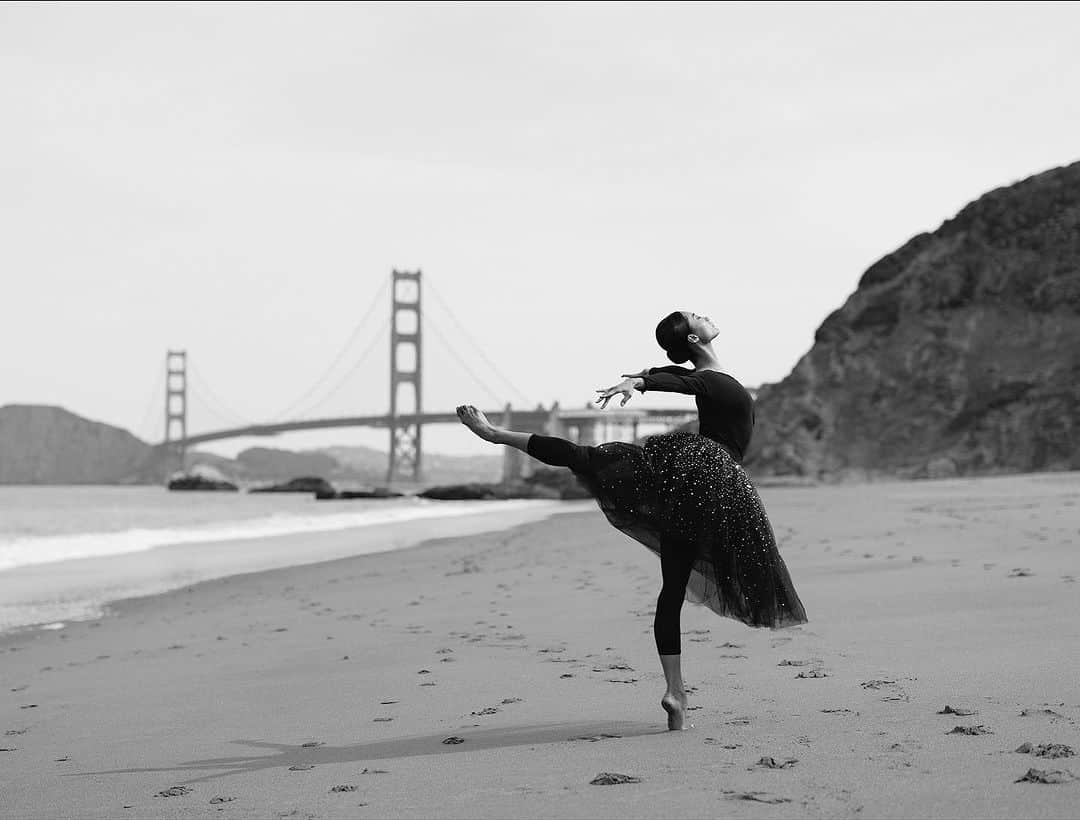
{"x": 528, "y": 419}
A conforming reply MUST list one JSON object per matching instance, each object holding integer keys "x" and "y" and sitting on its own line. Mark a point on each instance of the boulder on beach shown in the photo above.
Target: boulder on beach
{"x": 527, "y": 488}
{"x": 199, "y": 482}
{"x": 340, "y": 495}
{"x": 303, "y": 484}
{"x": 463, "y": 492}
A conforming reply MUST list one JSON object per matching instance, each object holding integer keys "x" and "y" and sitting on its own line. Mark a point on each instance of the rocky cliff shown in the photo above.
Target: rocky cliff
{"x": 49, "y": 445}
{"x": 957, "y": 354}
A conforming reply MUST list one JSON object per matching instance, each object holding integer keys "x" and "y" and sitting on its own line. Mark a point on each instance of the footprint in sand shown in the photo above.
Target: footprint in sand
{"x": 952, "y": 710}
{"x": 301, "y": 767}
{"x": 756, "y": 797}
{"x": 453, "y": 740}
{"x": 506, "y": 701}
{"x": 1051, "y": 750}
{"x": 1055, "y": 776}
{"x": 487, "y": 710}
{"x": 712, "y": 741}
{"x": 613, "y": 779}
{"x": 771, "y": 763}
{"x": 876, "y": 684}
{"x": 595, "y": 738}
{"x": 1020, "y": 572}
{"x": 1050, "y": 713}
{"x": 216, "y": 800}
{"x": 343, "y": 788}
{"x": 969, "y": 730}
{"x": 567, "y": 675}
{"x": 174, "y": 791}
{"x": 813, "y": 673}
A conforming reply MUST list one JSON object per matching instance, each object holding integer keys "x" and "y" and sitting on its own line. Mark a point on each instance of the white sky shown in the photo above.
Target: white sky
{"x": 239, "y": 180}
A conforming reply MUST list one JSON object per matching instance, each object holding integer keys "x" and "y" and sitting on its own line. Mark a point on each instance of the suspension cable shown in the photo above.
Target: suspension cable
{"x": 210, "y": 398}
{"x": 357, "y": 328}
{"x": 348, "y": 373}
{"x": 469, "y": 337}
{"x": 462, "y": 362}
{"x": 144, "y": 427}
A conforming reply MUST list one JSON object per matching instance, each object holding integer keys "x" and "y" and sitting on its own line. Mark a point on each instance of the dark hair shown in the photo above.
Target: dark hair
{"x": 671, "y": 335}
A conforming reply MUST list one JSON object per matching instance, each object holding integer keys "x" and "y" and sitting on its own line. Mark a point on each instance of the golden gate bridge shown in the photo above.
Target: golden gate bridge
{"x": 406, "y": 418}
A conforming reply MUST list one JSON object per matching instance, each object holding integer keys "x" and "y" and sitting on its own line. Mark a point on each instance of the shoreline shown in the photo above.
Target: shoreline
{"x": 199, "y": 561}
{"x": 334, "y": 689}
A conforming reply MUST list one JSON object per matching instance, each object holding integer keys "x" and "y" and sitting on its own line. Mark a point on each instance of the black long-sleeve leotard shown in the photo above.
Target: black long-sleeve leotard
{"x": 725, "y": 408}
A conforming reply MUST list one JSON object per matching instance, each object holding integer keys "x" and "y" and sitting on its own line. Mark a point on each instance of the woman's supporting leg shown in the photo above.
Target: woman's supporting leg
{"x": 676, "y": 561}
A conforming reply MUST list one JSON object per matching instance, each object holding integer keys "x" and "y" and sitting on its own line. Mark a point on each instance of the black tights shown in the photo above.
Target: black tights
{"x": 675, "y": 560}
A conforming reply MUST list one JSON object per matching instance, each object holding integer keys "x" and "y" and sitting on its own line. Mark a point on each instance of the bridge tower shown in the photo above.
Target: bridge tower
{"x": 405, "y": 350}
{"x": 176, "y": 406}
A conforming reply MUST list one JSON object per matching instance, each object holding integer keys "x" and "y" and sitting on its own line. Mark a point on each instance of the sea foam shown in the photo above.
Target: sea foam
{"x": 25, "y": 551}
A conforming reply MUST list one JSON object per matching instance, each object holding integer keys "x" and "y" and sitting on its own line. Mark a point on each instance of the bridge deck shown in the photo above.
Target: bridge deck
{"x": 527, "y": 418}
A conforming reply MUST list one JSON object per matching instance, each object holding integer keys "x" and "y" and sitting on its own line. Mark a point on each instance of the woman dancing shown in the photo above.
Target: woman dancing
{"x": 685, "y": 496}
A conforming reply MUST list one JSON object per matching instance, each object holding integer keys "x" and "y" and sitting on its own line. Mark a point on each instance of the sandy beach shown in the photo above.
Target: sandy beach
{"x": 496, "y": 675}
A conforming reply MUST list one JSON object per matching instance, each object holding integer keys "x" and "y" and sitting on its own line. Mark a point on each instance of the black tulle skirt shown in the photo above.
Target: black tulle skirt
{"x": 681, "y": 491}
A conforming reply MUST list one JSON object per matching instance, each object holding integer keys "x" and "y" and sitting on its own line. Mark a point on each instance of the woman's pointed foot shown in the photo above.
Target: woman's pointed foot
{"x": 675, "y": 707}
{"x": 477, "y": 422}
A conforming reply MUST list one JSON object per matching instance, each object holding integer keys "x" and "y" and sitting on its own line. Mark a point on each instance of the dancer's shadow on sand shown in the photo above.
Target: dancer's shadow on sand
{"x": 472, "y": 740}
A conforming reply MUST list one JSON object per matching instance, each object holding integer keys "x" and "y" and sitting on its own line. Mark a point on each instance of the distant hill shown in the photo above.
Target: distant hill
{"x": 958, "y": 354}
{"x": 50, "y": 445}
{"x": 42, "y": 444}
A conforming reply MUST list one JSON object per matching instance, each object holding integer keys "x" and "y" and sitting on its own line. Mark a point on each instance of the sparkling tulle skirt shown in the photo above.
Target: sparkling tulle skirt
{"x": 686, "y": 492}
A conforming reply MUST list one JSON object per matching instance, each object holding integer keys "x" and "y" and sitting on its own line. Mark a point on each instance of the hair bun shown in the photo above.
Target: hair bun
{"x": 671, "y": 335}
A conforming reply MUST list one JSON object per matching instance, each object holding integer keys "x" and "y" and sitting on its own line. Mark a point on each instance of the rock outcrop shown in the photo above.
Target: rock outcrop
{"x": 958, "y": 354}
{"x": 303, "y": 484}
{"x": 190, "y": 481}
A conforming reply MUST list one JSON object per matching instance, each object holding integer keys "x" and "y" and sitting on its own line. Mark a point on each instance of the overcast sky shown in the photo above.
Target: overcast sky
{"x": 239, "y": 180}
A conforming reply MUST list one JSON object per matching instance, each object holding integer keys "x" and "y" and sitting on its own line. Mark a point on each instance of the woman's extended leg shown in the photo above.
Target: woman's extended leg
{"x": 553, "y": 451}
{"x": 676, "y": 561}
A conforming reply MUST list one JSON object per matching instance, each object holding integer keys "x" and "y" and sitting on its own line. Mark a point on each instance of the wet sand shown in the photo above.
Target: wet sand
{"x": 499, "y": 674}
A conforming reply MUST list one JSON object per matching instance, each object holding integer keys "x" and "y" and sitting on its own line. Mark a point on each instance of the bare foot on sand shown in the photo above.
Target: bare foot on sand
{"x": 675, "y": 706}
{"x": 477, "y": 422}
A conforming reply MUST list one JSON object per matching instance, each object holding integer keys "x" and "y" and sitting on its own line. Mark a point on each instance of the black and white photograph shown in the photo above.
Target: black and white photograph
{"x": 539, "y": 410}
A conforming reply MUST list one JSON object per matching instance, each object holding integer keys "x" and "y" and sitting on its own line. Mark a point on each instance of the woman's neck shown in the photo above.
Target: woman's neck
{"x": 704, "y": 358}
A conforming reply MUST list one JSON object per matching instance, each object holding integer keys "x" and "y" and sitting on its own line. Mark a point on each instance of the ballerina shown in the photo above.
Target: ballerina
{"x": 683, "y": 495}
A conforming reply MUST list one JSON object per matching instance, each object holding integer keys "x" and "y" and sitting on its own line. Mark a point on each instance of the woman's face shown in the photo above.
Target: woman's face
{"x": 702, "y": 326}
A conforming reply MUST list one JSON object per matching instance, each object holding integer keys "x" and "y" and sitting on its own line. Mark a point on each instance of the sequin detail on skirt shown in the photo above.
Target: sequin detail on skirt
{"x": 684, "y": 491}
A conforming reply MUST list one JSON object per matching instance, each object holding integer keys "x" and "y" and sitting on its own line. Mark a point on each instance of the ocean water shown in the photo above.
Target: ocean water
{"x": 66, "y": 552}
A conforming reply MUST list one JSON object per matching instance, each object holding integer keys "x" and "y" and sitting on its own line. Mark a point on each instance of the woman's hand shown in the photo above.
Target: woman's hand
{"x": 624, "y": 388}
